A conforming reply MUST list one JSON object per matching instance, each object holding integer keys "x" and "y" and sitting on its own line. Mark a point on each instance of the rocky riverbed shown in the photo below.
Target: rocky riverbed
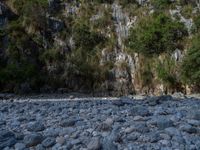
{"x": 117, "y": 124}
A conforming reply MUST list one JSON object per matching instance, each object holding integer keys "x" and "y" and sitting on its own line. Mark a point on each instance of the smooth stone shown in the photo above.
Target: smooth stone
{"x": 2, "y": 122}
{"x": 61, "y": 140}
{"x": 49, "y": 142}
{"x": 107, "y": 124}
{"x": 33, "y": 139}
{"x": 68, "y": 123}
{"x": 67, "y": 131}
{"x": 163, "y": 123}
{"x": 195, "y": 114}
{"x": 140, "y": 111}
{"x": 118, "y": 103}
{"x": 20, "y": 146}
{"x": 165, "y": 143}
{"x": 193, "y": 122}
{"x": 178, "y": 139}
{"x": 140, "y": 127}
{"x": 138, "y": 118}
{"x": 133, "y": 137}
{"x": 165, "y": 136}
{"x": 51, "y": 132}
{"x": 154, "y": 137}
{"x": 172, "y": 131}
{"x": 75, "y": 142}
{"x": 19, "y": 136}
{"x": 39, "y": 147}
{"x": 94, "y": 144}
{"x": 35, "y": 127}
{"x": 7, "y": 139}
{"x": 129, "y": 130}
{"x": 188, "y": 128}
{"x": 108, "y": 144}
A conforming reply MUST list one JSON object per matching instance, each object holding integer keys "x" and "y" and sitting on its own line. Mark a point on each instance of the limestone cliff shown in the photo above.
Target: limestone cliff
{"x": 59, "y": 33}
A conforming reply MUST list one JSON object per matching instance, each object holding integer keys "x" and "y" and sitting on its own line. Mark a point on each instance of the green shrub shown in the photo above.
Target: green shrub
{"x": 18, "y": 73}
{"x": 125, "y": 3}
{"x": 191, "y": 63}
{"x": 161, "y": 4}
{"x": 196, "y": 26}
{"x": 155, "y": 35}
{"x": 167, "y": 73}
{"x": 32, "y": 12}
{"x": 51, "y": 55}
{"x": 187, "y": 11}
{"x": 86, "y": 39}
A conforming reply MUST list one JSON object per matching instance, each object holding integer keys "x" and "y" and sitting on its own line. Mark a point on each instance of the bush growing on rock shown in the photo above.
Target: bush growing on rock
{"x": 167, "y": 73}
{"x": 32, "y": 13}
{"x": 156, "y": 34}
{"x": 161, "y": 4}
{"x": 191, "y": 63}
{"x": 85, "y": 38}
{"x": 196, "y": 26}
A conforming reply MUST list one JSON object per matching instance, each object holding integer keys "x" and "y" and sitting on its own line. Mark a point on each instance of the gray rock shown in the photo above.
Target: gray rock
{"x": 133, "y": 137}
{"x": 163, "y": 123}
{"x": 165, "y": 143}
{"x": 7, "y": 139}
{"x": 68, "y": 123}
{"x": 193, "y": 122}
{"x": 172, "y": 131}
{"x": 49, "y": 142}
{"x": 178, "y": 139}
{"x": 61, "y": 140}
{"x": 108, "y": 144}
{"x": 2, "y": 122}
{"x": 94, "y": 144}
{"x": 67, "y": 131}
{"x": 118, "y": 103}
{"x": 19, "y": 136}
{"x": 140, "y": 111}
{"x": 75, "y": 142}
{"x": 153, "y": 101}
{"x": 188, "y": 128}
{"x": 33, "y": 139}
{"x": 106, "y": 125}
{"x": 154, "y": 137}
{"x": 20, "y": 146}
{"x": 51, "y": 132}
{"x": 196, "y": 115}
{"x": 39, "y": 147}
{"x": 140, "y": 127}
{"x": 35, "y": 127}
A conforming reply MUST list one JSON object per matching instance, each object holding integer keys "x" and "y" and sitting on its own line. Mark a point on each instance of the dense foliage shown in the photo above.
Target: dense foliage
{"x": 191, "y": 63}
{"x": 156, "y": 34}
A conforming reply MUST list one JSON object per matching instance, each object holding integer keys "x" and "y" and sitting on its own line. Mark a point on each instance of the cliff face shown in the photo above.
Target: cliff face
{"x": 82, "y": 46}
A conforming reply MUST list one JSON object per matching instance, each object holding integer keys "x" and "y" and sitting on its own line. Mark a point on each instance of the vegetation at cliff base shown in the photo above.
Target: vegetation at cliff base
{"x": 191, "y": 63}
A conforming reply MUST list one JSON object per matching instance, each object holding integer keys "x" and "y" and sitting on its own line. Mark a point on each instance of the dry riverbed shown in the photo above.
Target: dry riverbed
{"x": 100, "y": 123}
